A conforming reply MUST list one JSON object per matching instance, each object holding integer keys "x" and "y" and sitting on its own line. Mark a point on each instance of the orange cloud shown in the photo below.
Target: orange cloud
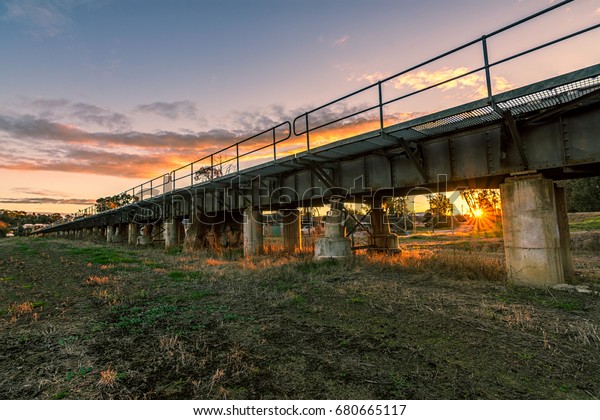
{"x": 473, "y": 83}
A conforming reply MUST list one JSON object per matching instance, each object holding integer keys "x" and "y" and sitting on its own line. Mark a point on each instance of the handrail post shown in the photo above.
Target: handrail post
{"x": 237, "y": 156}
{"x": 486, "y": 63}
{"x": 380, "y": 106}
{"x": 274, "y": 146}
{"x": 192, "y": 173}
{"x": 307, "y": 132}
{"x": 212, "y": 170}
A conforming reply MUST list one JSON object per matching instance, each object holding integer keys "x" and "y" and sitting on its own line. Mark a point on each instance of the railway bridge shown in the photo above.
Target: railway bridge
{"x": 520, "y": 141}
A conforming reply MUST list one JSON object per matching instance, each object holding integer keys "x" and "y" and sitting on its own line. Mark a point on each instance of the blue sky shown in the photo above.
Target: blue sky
{"x": 99, "y": 95}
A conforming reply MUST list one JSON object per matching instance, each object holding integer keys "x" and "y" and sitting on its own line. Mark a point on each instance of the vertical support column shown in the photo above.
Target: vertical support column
{"x": 110, "y": 233}
{"x": 334, "y": 243}
{"x": 171, "y": 233}
{"x": 382, "y": 238}
{"x": 253, "y": 232}
{"x": 133, "y": 233}
{"x": 192, "y": 227}
{"x": 120, "y": 233}
{"x": 563, "y": 231}
{"x": 531, "y": 234}
{"x": 146, "y": 235}
{"x": 292, "y": 230}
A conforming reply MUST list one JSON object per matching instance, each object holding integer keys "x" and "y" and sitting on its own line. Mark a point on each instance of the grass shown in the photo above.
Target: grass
{"x": 593, "y": 223}
{"x": 434, "y": 322}
{"x": 104, "y": 255}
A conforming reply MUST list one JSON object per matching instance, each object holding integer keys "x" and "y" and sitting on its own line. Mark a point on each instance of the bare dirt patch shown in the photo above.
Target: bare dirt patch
{"x": 89, "y": 321}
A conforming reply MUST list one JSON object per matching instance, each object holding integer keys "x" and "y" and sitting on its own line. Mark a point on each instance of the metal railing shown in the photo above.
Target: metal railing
{"x": 378, "y": 86}
{"x": 230, "y": 160}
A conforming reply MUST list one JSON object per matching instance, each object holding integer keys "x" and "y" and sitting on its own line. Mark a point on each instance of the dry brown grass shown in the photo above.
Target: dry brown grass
{"x": 97, "y": 280}
{"x": 108, "y": 378}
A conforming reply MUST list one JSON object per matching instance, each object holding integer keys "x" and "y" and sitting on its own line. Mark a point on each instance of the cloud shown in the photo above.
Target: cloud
{"x": 60, "y": 109}
{"x": 41, "y": 18}
{"x": 34, "y": 143}
{"x": 597, "y": 12}
{"x": 474, "y": 83}
{"x": 170, "y": 110}
{"x": 47, "y": 200}
{"x": 34, "y": 191}
{"x": 341, "y": 41}
{"x": 92, "y": 114}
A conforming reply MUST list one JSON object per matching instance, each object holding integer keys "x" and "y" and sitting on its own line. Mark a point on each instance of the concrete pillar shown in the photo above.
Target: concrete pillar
{"x": 171, "y": 233}
{"x": 110, "y": 233}
{"x": 119, "y": 236}
{"x": 382, "y": 238}
{"x": 146, "y": 235}
{"x": 191, "y": 227}
{"x": 334, "y": 243}
{"x": 292, "y": 230}
{"x": 253, "y": 232}
{"x": 563, "y": 231}
{"x": 531, "y": 234}
{"x": 133, "y": 233}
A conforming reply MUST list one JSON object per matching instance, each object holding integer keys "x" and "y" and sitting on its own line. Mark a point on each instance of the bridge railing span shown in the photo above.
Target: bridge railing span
{"x": 310, "y": 121}
{"x": 263, "y": 147}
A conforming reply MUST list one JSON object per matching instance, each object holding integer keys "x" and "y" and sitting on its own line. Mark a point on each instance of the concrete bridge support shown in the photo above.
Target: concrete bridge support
{"x": 253, "y": 232}
{"x": 334, "y": 243}
{"x": 212, "y": 232}
{"x": 532, "y": 238}
{"x": 292, "y": 230}
{"x": 120, "y": 233}
{"x": 171, "y": 233}
{"x": 133, "y": 233}
{"x": 146, "y": 235}
{"x": 563, "y": 230}
{"x": 382, "y": 238}
{"x": 110, "y": 233}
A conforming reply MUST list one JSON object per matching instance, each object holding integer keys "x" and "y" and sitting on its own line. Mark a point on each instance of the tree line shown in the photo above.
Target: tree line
{"x": 13, "y": 220}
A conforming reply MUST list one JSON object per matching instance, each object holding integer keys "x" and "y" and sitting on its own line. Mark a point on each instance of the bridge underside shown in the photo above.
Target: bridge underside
{"x": 550, "y": 129}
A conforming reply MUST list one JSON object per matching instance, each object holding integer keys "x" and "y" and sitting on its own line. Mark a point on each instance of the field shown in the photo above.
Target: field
{"x": 80, "y": 320}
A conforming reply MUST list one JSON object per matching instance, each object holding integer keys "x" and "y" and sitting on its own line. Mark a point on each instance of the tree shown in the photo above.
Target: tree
{"x": 583, "y": 194}
{"x": 3, "y": 229}
{"x": 116, "y": 201}
{"x": 484, "y": 200}
{"x": 439, "y": 205}
{"x": 397, "y": 206}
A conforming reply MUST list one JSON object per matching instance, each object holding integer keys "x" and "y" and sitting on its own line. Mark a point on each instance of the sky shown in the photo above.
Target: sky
{"x": 98, "y": 96}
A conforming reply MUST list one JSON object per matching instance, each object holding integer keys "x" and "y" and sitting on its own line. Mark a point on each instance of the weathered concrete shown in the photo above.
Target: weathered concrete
{"x": 253, "y": 232}
{"x": 382, "y": 238}
{"x": 563, "y": 231}
{"x": 133, "y": 233}
{"x": 171, "y": 233}
{"x": 334, "y": 243}
{"x": 110, "y": 233}
{"x": 212, "y": 233}
{"x": 120, "y": 232}
{"x": 531, "y": 233}
{"x": 146, "y": 235}
{"x": 292, "y": 230}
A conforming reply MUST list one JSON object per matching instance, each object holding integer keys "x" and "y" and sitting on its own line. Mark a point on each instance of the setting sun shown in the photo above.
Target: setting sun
{"x": 478, "y": 213}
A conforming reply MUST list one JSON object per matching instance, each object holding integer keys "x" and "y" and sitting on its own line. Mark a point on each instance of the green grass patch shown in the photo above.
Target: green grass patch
{"x": 60, "y": 395}
{"x": 324, "y": 266}
{"x": 104, "y": 255}
{"x": 10, "y": 278}
{"x": 592, "y": 223}
{"x": 542, "y": 298}
{"x": 143, "y": 318}
{"x": 82, "y": 371}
